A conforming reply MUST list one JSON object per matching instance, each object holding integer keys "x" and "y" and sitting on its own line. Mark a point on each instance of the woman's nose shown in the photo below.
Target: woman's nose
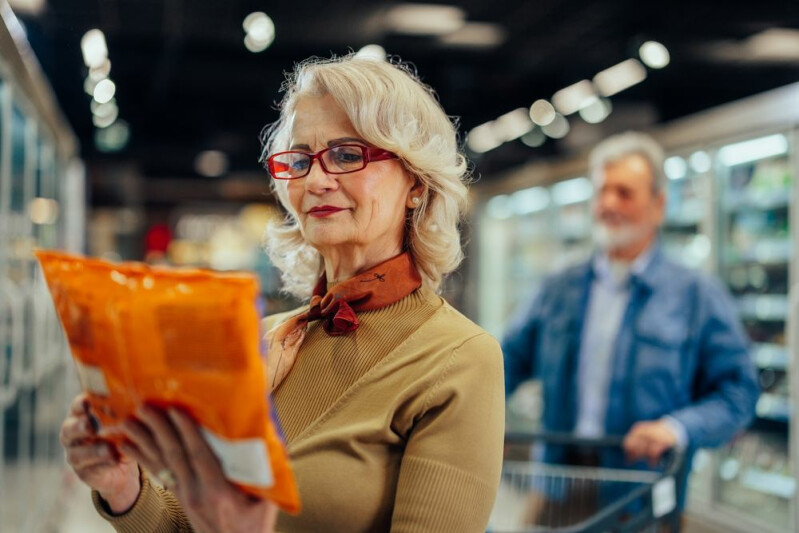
{"x": 318, "y": 180}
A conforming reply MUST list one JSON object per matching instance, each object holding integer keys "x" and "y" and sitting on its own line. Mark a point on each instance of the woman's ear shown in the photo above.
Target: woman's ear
{"x": 416, "y": 195}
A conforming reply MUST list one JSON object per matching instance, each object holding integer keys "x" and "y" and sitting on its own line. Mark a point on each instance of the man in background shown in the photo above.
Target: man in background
{"x": 630, "y": 343}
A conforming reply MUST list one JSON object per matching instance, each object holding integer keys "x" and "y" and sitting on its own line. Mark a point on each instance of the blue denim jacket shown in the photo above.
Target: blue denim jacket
{"x": 680, "y": 351}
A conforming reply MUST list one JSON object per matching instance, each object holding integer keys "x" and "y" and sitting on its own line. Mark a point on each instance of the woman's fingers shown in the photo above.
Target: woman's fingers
{"x": 79, "y": 404}
{"x": 141, "y": 437}
{"x": 75, "y": 429}
{"x": 203, "y": 460}
{"x": 173, "y": 453}
{"x": 82, "y": 457}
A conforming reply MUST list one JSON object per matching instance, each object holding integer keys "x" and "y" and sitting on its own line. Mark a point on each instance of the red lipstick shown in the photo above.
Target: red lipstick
{"x": 321, "y": 211}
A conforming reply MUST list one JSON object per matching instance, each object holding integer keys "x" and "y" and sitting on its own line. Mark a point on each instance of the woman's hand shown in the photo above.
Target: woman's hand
{"x": 96, "y": 462}
{"x": 169, "y": 445}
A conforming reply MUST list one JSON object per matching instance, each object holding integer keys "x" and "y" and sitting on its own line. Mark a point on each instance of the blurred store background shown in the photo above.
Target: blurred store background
{"x": 129, "y": 131}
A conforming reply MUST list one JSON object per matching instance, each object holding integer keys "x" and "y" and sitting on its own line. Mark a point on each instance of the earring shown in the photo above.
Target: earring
{"x": 415, "y": 200}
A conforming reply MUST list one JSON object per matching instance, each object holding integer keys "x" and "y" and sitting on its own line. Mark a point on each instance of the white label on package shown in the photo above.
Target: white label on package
{"x": 244, "y": 461}
{"x": 664, "y": 497}
{"x": 92, "y": 379}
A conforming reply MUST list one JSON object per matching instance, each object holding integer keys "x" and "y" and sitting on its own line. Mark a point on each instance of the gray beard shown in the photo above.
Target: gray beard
{"x": 608, "y": 240}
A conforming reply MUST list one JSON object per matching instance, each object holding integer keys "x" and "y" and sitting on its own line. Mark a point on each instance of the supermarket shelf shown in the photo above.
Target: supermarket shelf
{"x": 772, "y": 483}
{"x": 766, "y": 252}
{"x": 774, "y": 407}
{"x": 765, "y": 307}
{"x": 768, "y": 355}
{"x": 765, "y": 201}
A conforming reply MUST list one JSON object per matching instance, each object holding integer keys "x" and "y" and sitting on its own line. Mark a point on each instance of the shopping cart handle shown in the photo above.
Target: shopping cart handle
{"x": 563, "y": 438}
{"x": 670, "y": 463}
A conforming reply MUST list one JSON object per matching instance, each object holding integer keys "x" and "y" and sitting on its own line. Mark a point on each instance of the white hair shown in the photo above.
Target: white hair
{"x": 630, "y": 143}
{"x": 392, "y": 109}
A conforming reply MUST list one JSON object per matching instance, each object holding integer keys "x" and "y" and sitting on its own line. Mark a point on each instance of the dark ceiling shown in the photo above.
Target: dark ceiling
{"x": 185, "y": 81}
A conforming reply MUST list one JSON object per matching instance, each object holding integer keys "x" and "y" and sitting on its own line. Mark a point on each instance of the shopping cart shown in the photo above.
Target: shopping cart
{"x": 535, "y": 496}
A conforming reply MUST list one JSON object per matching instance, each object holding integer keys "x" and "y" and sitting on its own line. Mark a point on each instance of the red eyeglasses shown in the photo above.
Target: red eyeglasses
{"x": 340, "y": 159}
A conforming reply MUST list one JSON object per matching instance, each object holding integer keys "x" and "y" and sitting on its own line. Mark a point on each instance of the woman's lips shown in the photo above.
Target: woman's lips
{"x": 324, "y": 211}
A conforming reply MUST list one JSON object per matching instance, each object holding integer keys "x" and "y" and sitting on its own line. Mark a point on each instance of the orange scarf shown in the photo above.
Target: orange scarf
{"x": 377, "y": 287}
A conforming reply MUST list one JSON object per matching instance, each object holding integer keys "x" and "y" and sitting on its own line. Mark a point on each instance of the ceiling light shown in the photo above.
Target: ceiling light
{"x": 106, "y": 120}
{"x": 558, "y": 129}
{"x": 102, "y": 110}
{"x": 94, "y": 49}
{"x": 113, "y": 138}
{"x": 211, "y": 163}
{"x": 753, "y": 150}
{"x": 100, "y": 72}
{"x": 654, "y": 54}
{"x": 700, "y": 162}
{"x": 104, "y": 91}
{"x": 263, "y": 30}
{"x": 89, "y": 84}
{"x": 595, "y": 112}
{"x": 483, "y": 138}
{"x": 572, "y": 191}
{"x": 573, "y": 97}
{"x": 620, "y": 77}
{"x": 260, "y": 31}
{"x": 527, "y": 201}
{"x": 424, "y": 19}
{"x": 512, "y": 125}
{"x": 476, "y": 34}
{"x": 250, "y": 19}
{"x": 372, "y": 51}
{"x": 542, "y": 112}
{"x": 534, "y": 138}
{"x": 779, "y": 44}
{"x": 254, "y": 46}
{"x": 675, "y": 167}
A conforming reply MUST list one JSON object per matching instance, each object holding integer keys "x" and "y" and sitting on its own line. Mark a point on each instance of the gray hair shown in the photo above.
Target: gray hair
{"x": 629, "y": 143}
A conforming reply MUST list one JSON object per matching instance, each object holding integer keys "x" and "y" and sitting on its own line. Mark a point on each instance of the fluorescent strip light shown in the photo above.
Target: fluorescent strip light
{"x": 483, "y": 138}
{"x": 675, "y": 167}
{"x": 499, "y": 207}
{"x": 619, "y": 77}
{"x": 573, "y": 191}
{"x": 574, "y": 97}
{"x": 425, "y": 19}
{"x": 512, "y": 125}
{"x": 744, "y": 152}
{"x": 476, "y": 34}
{"x": 527, "y": 201}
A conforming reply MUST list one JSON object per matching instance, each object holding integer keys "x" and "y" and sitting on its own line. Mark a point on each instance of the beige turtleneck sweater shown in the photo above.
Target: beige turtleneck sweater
{"x": 396, "y": 427}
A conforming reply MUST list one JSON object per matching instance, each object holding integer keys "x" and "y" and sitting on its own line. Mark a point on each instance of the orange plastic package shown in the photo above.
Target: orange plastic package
{"x": 190, "y": 338}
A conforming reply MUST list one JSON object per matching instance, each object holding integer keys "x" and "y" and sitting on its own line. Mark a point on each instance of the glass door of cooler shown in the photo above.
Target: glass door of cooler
{"x": 515, "y": 254}
{"x": 754, "y": 475}
{"x": 572, "y": 221}
{"x": 686, "y": 228}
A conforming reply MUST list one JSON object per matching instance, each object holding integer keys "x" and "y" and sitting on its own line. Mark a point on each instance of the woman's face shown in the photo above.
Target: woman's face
{"x": 361, "y": 212}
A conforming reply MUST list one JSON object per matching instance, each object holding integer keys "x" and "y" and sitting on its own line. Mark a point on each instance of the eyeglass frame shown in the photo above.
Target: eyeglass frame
{"x": 371, "y": 154}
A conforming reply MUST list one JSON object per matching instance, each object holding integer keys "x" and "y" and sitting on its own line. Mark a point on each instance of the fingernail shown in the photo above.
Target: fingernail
{"x": 94, "y": 423}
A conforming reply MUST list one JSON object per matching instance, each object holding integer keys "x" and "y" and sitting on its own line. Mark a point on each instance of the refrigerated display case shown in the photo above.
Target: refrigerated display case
{"x": 755, "y": 474}
{"x": 685, "y": 234}
{"x": 520, "y": 235}
{"x": 36, "y": 148}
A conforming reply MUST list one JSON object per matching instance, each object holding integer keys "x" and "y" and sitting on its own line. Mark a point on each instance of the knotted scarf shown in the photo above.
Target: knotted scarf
{"x": 380, "y": 286}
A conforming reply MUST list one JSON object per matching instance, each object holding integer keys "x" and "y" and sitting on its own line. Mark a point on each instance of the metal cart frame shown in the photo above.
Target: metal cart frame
{"x": 650, "y": 505}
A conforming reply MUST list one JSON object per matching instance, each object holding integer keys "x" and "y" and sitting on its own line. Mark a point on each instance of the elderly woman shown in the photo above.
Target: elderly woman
{"x": 391, "y": 401}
